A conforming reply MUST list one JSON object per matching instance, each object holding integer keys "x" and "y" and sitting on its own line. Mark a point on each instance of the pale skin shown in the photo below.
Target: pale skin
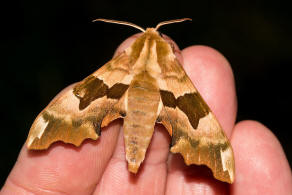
{"x": 99, "y": 167}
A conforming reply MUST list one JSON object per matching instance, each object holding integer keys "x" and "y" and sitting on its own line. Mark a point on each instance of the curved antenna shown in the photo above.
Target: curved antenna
{"x": 171, "y": 21}
{"x": 119, "y": 22}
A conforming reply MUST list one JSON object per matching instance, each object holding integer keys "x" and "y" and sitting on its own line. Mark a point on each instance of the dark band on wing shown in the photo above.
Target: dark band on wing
{"x": 93, "y": 88}
{"x": 168, "y": 98}
{"x": 117, "y": 90}
{"x": 192, "y": 104}
{"x": 89, "y": 90}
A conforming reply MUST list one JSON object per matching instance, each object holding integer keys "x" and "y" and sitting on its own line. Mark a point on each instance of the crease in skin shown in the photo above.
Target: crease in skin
{"x": 28, "y": 190}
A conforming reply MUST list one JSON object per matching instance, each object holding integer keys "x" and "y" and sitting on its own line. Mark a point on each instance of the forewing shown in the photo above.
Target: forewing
{"x": 196, "y": 133}
{"x": 79, "y": 113}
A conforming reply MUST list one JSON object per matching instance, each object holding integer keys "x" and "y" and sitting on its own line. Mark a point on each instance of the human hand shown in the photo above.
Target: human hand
{"x": 99, "y": 167}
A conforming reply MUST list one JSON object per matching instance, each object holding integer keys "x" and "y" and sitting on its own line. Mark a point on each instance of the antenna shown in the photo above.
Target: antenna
{"x": 119, "y": 22}
{"x": 171, "y": 21}
{"x": 138, "y": 27}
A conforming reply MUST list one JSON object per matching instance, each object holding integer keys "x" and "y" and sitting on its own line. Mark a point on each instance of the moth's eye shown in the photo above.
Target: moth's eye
{"x": 160, "y": 34}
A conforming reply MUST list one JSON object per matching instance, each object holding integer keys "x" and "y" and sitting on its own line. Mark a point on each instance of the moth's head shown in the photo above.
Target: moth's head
{"x": 152, "y": 33}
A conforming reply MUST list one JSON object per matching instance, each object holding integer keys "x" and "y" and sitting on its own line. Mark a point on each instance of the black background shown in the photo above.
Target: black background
{"x": 47, "y": 45}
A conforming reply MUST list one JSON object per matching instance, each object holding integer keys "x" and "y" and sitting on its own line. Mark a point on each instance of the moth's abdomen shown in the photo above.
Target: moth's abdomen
{"x": 142, "y": 104}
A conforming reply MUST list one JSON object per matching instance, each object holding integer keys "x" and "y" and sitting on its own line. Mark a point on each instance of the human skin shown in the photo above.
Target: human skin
{"x": 99, "y": 167}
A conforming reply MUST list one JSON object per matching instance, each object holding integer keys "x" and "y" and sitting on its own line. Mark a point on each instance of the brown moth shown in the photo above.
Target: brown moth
{"x": 145, "y": 85}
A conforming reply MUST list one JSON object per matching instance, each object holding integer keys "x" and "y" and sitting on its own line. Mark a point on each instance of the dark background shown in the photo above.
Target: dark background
{"x": 47, "y": 45}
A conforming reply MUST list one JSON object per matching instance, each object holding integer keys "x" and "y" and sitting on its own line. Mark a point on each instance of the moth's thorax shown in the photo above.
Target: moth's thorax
{"x": 149, "y": 53}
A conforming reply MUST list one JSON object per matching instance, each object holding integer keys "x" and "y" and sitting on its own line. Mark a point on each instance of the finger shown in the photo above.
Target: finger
{"x": 261, "y": 165}
{"x": 212, "y": 75}
{"x": 151, "y": 177}
{"x": 63, "y": 168}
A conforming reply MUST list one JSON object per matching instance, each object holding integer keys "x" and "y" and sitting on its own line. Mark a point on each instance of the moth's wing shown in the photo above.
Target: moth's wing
{"x": 79, "y": 113}
{"x": 195, "y": 131}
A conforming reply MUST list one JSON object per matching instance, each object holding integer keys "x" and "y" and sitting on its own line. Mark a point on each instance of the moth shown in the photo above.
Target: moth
{"x": 144, "y": 85}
